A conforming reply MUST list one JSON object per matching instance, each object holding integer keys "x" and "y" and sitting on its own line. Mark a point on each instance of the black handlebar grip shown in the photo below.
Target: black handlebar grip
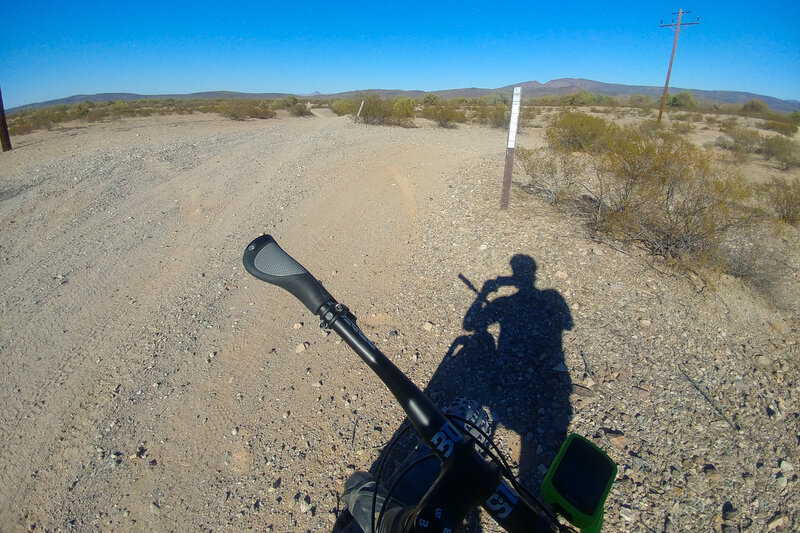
{"x": 267, "y": 261}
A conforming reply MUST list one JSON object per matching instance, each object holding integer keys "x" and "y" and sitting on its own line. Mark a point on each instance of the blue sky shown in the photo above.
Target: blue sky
{"x": 51, "y": 50}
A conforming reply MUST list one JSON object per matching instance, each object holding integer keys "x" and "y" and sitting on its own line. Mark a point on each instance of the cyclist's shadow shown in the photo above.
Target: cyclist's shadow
{"x": 512, "y": 363}
{"x": 517, "y": 373}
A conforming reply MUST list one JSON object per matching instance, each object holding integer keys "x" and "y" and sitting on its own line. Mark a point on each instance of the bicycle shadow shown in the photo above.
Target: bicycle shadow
{"x": 512, "y": 363}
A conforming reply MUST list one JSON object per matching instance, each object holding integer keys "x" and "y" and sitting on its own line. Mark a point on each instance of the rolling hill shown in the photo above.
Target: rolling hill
{"x": 530, "y": 89}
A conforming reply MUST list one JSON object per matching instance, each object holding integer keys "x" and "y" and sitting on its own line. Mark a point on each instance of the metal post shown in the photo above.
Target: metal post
{"x": 5, "y": 140}
{"x": 677, "y": 27}
{"x": 512, "y": 139}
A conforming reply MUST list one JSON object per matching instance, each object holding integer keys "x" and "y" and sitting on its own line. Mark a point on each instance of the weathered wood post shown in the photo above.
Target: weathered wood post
{"x": 5, "y": 140}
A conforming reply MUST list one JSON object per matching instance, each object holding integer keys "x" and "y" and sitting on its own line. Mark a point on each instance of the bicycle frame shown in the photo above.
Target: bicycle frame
{"x": 466, "y": 478}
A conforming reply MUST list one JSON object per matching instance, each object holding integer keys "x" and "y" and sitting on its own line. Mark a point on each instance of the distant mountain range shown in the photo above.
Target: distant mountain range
{"x": 529, "y": 89}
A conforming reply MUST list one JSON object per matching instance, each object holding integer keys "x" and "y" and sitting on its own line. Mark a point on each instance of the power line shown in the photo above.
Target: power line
{"x": 677, "y": 26}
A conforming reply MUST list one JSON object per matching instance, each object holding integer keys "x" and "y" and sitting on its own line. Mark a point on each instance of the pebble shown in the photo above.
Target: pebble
{"x": 297, "y": 325}
{"x": 427, "y": 326}
{"x": 300, "y": 348}
{"x": 628, "y": 514}
{"x": 561, "y": 275}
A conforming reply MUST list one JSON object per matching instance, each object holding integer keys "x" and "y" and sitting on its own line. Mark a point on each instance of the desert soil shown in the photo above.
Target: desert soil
{"x": 149, "y": 383}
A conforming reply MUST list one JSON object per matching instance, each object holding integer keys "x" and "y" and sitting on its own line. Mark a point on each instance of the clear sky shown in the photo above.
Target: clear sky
{"x": 56, "y": 49}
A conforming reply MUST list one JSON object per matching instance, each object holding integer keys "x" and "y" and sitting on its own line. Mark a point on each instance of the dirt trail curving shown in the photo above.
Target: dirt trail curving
{"x": 149, "y": 383}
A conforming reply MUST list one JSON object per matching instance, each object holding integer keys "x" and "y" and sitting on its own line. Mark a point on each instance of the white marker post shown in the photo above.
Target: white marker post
{"x": 512, "y": 140}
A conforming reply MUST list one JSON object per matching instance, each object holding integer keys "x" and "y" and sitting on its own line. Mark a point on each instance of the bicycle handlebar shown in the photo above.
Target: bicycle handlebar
{"x": 466, "y": 479}
{"x": 267, "y": 261}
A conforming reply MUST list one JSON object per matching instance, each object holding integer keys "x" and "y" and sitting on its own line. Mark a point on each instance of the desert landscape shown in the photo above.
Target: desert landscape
{"x": 150, "y": 383}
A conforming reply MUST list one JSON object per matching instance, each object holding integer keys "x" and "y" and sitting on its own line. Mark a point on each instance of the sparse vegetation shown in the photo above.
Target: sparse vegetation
{"x": 755, "y": 106}
{"x": 300, "y": 110}
{"x": 29, "y": 120}
{"x": 578, "y": 131}
{"x": 445, "y": 116}
{"x": 683, "y": 99}
{"x": 495, "y": 115}
{"x": 656, "y": 190}
{"x": 345, "y": 107}
{"x": 554, "y": 173}
{"x": 242, "y": 109}
{"x": 783, "y": 127}
{"x": 785, "y": 151}
{"x": 389, "y": 111}
{"x": 783, "y": 199}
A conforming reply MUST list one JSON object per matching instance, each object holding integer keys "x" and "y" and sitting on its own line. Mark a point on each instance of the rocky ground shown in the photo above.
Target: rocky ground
{"x": 148, "y": 382}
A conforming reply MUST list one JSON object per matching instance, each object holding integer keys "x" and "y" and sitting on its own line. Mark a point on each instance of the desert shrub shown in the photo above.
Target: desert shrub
{"x": 399, "y": 111}
{"x": 786, "y": 151}
{"x": 683, "y": 99}
{"x": 345, "y": 107}
{"x": 300, "y": 110}
{"x": 641, "y": 100}
{"x": 783, "y": 199}
{"x": 553, "y": 172}
{"x": 741, "y": 141}
{"x": 651, "y": 128}
{"x": 795, "y": 117}
{"x": 403, "y": 111}
{"x": 495, "y": 115}
{"x": 286, "y": 102}
{"x": 784, "y": 128}
{"x": 681, "y": 127}
{"x": 240, "y": 109}
{"x": 666, "y": 195}
{"x": 430, "y": 99}
{"x": 527, "y": 116}
{"x": 445, "y": 116}
{"x": 755, "y": 106}
{"x": 375, "y": 110}
{"x": 578, "y": 131}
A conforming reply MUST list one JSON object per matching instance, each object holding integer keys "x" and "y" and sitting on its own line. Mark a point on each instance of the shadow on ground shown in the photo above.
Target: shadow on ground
{"x": 511, "y": 362}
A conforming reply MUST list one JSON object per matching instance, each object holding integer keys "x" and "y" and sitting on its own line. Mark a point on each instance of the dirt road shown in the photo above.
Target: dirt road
{"x": 149, "y": 383}
{"x": 133, "y": 343}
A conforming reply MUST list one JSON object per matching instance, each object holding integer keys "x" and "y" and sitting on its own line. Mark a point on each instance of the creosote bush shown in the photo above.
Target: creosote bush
{"x": 390, "y": 111}
{"x": 578, "y": 131}
{"x": 495, "y": 115}
{"x": 755, "y": 106}
{"x": 244, "y": 108}
{"x": 656, "y": 190}
{"x": 300, "y": 110}
{"x": 783, "y": 199}
{"x": 785, "y": 151}
{"x": 554, "y": 173}
{"x": 668, "y": 196}
{"x": 345, "y": 107}
{"x": 445, "y": 116}
{"x": 783, "y": 127}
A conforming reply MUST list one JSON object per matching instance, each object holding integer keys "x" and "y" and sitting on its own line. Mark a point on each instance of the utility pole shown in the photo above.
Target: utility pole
{"x": 5, "y": 140}
{"x": 677, "y": 26}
